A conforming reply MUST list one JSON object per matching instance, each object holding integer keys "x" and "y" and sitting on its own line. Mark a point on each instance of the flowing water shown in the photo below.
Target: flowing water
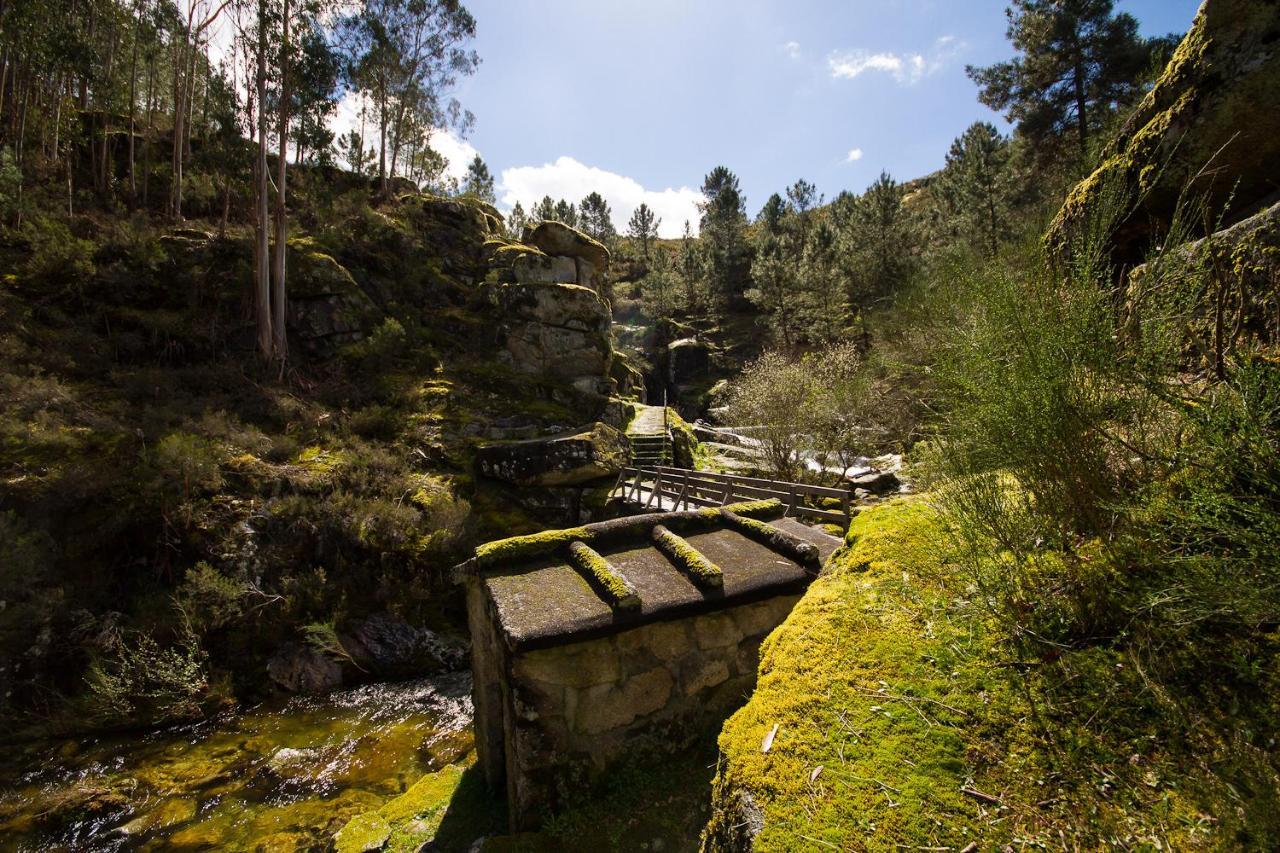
{"x": 283, "y": 776}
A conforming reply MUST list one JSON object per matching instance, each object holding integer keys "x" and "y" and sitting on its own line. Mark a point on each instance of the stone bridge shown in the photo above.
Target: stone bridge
{"x": 624, "y": 636}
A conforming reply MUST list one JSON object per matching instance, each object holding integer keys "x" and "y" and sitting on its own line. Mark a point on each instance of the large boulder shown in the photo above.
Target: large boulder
{"x": 556, "y": 238}
{"x": 326, "y": 307}
{"x": 559, "y": 331}
{"x": 1210, "y": 124}
{"x": 688, "y": 360}
{"x": 561, "y": 460}
{"x": 391, "y": 648}
{"x": 1244, "y": 261}
{"x": 302, "y": 669}
{"x": 557, "y": 269}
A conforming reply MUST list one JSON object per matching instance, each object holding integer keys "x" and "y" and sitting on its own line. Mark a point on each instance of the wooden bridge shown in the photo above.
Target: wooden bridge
{"x": 665, "y": 488}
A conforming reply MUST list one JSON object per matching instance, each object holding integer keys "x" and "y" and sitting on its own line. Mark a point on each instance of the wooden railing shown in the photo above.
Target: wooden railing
{"x": 686, "y": 489}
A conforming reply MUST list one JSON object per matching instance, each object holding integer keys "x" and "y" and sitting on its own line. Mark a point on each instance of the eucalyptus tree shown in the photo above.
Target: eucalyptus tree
{"x": 407, "y": 55}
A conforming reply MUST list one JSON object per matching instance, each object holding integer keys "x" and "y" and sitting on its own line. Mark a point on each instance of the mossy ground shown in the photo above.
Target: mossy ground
{"x": 903, "y": 721}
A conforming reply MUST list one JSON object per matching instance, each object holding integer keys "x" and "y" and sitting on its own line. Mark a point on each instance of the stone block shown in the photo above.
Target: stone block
{"x": 763, "y": 617}
{"x": 698, "y": 675}
{"x": 747, "y": 660}
{"x": 667, "y": 640}
{"x": 605, "y": 707}
{"x": 578, "y": 666}
{"x": 716, "y": 630}
{"x": 535, "y": 269}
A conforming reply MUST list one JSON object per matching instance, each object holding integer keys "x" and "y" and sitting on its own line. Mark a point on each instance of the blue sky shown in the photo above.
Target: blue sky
{"x": 641, "y": 98}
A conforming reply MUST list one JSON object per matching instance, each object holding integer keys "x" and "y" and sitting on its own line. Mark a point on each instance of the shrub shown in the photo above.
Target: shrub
{"x": 189, "y": 460}
{"x": 136, "y": 681}
{"x": 59, "y": 260}
{"x": 208, "y": 599}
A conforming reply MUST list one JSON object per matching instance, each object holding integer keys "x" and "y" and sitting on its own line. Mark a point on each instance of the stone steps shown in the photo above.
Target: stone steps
{"x": 650, "y": 449}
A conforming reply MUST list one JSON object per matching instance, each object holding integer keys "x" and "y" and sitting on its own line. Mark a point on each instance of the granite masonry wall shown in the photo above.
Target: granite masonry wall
{"x": 551, "y": 719}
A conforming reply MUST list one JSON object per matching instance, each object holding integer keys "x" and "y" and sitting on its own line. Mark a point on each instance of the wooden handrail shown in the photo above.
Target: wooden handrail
{"x": 690, "y": 488}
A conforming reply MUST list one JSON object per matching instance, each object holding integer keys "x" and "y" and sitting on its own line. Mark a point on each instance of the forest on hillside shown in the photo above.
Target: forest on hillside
{"x": 250, "y": 366}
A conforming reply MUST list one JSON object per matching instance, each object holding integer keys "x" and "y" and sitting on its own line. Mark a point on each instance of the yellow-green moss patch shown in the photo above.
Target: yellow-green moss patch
{"x": 618, "y": 591}
{"x": 773, "y": 538}
{"x": 519, "y": 548}
{"x": 700, "y": 570}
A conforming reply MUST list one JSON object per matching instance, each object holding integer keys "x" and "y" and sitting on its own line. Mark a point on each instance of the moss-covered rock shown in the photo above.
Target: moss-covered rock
{"x": 1211, "y": 123}
{"x": 579, "y": 457}
{"x": 326, "y": 307}
{"x": 700, "y": 570}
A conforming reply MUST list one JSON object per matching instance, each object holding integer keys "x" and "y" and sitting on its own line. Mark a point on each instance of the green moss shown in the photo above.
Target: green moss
{"x": 754, "y": 509}
{"x": 893, "y": 694}
{"x": 770, "y": 536}
{"x": 617, "y": 589}
{"x": 519, "y": 548}
{"x": 368, "y": 831}
{"x": 408, "y": 821}
{"x": 700, "y": 570}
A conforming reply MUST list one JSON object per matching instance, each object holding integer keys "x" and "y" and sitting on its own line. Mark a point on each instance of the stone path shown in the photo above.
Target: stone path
{"x": 648, "y": 421}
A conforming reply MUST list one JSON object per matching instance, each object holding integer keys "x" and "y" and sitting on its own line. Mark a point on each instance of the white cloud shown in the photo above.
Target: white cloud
{"x": 793, "y": 49}
{"x": 851, "y": 64}
{"x": 568, "y": 179}
{"x": 855, "y": 154}
{"x": 907, "y": 68}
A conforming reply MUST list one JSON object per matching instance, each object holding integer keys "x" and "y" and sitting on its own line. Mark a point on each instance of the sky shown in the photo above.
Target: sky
{"x": 639, "y": 99}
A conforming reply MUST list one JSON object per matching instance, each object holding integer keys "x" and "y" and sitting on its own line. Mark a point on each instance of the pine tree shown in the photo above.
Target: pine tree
{"x": 643, "y": 228}
{"x": 691, "y": 269}
{"x": 565, "y": 212}
{"x": 875, "y": 239}
{"x": 973, "y": 185}
{"x": 773, "y": 270}
{"x": 543, "y": 211}
{"x": 596, "y": 218}
{"x": 478, "y": 181}
{"x": 1077, "y": 62}
{"x": 724, "y": 223}
{"x": 517, "y": 220}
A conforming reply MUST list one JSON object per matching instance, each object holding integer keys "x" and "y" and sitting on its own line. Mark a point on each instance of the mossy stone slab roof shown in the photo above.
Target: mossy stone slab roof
{"x": 545, "y": 601}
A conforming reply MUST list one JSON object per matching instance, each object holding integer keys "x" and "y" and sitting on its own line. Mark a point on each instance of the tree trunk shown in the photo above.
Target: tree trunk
{"x": 133, "y": 106}
{"x": 1082, "y": 118}
{"x": 278, "y": 296}
{"x": 179, "y": 114}
{"x": 262, "y": 272}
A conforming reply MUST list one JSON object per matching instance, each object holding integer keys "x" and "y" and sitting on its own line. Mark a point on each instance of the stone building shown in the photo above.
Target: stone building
{"x": 623, "y": 637}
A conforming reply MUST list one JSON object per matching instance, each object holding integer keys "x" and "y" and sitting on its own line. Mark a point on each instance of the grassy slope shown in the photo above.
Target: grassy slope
{"x": 139, "y": 436}
{"x": 891, "y": 678}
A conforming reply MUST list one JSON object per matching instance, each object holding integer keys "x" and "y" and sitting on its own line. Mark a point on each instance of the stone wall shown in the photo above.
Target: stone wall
{"x": 549, "y": 720}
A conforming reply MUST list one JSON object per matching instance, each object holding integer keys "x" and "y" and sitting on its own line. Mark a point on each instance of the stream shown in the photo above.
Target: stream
{"x": 279, "y": 776}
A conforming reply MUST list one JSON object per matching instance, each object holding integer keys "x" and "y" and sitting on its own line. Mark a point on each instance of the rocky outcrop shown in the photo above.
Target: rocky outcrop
{"x": 326, "y": 307}
{"x": 1243, "y": 262}
{"x": 688, "y": 360}
{"x": 600, "y": 451}
{"x": 557, "y": 240}
{"x": 627, "y": 378}
{"x": 1211, "y": 125}
{"x": 556, "y": 331}
{"x": 391, "y": 648}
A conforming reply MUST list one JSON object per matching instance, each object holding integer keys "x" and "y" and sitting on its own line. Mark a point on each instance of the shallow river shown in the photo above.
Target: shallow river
{"x": 282, "y": 776}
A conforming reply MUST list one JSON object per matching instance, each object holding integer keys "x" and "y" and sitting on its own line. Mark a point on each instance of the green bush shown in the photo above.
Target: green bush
{"x": 59, "y": 260}
{"x": 190, "y": 462}
{"x": 136, "y": 681}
